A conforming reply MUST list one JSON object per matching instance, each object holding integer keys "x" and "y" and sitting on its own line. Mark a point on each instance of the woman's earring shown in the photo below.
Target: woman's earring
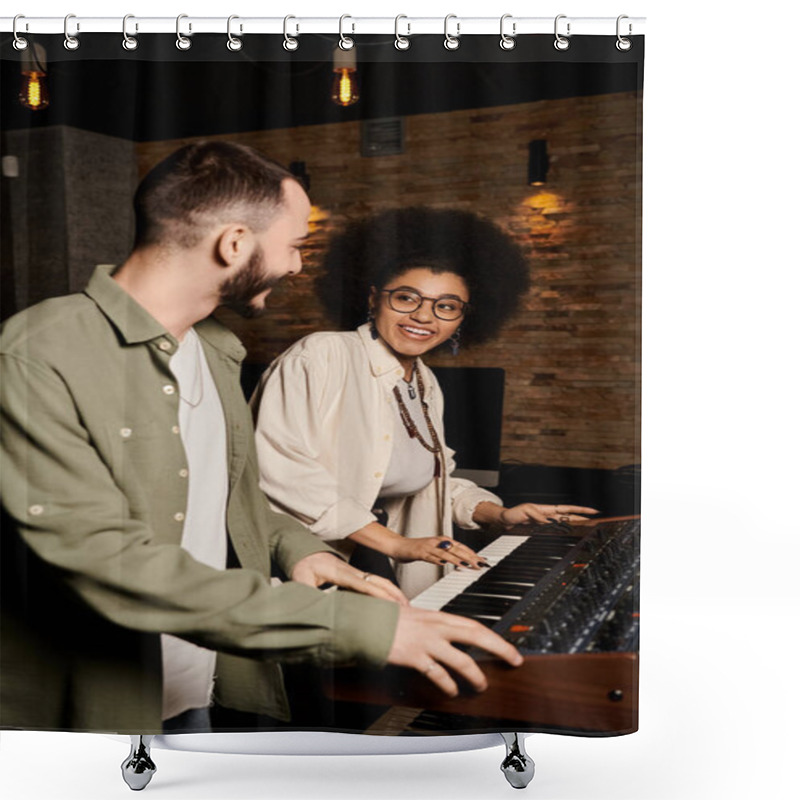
{"x": 455, "y": 342}
{"x": 372, "y": 329}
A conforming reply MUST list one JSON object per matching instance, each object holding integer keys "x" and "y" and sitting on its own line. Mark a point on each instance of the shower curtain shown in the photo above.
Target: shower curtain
{"x": 541, "y": 141}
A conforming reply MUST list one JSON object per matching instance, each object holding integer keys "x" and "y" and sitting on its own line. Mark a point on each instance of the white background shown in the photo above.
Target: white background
{"x": 719, "y": 698}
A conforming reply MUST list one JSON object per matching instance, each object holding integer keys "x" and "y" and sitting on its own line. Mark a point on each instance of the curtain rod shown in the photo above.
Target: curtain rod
{"x": 349, "y": 25}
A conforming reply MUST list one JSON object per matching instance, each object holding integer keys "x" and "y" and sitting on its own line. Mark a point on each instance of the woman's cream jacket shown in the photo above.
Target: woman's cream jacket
{"x": 325, "y": 421}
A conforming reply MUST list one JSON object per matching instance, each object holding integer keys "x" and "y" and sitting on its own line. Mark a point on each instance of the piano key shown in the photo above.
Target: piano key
{"x": 437, "y": 596}
{"x": 493, "y": 586}
{"x": 466, "y": 602}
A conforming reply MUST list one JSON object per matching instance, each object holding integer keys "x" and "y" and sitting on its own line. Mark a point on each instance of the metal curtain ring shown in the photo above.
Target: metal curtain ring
{"x": 129, "y": 42}
{"x": 234, "y": 44}
{"x": 71, "y": 42}
{"x": 622, "y": 43}
{"x": 401, "y": 42}
{"x": 451, "y": 42}
{"x": 182, "y": 42}
{"x": 20, "y": 42}
{"x": 345, "y": 42}
{"x": 561, "y": 42}
{"x": 290, "y": 43}
{"x": 507, "y": 42}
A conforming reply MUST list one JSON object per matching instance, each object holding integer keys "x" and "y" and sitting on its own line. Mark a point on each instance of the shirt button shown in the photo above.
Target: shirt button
{"x": 176, "y": 429}
{"x": 125, "y": 433}
{"x": 36, "y": 511}
{"x": 179, "y": 517}
{"x": 398, "y": 372}
{"x": 168, "y": 389}
{"x": 378, "y": 474}
{"x": 183, "y": 473}
{"x": 164, "y": 345}
{"x": 386, "y": 438}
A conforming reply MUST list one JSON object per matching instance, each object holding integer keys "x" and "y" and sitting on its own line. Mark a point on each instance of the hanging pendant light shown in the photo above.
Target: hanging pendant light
{"x": 34, "y": 94}
{"x": 345, "y": 82}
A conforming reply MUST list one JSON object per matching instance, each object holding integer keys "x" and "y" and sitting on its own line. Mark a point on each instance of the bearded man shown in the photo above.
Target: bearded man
{"x": 137, "y": 545}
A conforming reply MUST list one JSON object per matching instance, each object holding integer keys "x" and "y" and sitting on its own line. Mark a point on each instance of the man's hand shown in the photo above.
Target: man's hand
{"x": 424, "y": 641}
{"x": 321, "y": 568}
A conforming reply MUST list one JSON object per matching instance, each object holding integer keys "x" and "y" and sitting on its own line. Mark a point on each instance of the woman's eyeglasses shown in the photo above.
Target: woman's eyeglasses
{"x": 405, "y": 301}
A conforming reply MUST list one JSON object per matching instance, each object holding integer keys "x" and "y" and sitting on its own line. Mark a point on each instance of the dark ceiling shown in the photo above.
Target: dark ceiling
{"x": 165, "y": 94}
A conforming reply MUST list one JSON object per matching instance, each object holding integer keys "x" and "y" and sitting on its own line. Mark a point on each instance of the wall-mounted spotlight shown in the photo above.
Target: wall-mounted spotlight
{"x": 345, "y": 83}
{"x": 34, "y": 94}
{"x": 298, "y": 169}
{"x": 538, "y": 162}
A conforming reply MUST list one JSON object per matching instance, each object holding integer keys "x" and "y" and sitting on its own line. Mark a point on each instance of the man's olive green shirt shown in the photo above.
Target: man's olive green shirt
{"x": 94, "y": 495}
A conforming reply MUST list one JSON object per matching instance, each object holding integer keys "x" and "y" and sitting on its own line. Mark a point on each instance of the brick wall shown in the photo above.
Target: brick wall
{"x": 571, "y": 355}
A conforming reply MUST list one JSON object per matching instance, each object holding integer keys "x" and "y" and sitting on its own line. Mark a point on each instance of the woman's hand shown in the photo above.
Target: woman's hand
{"x": 318, "y": 569}
{"x": 531, "y": 512}
{"x": 437, "y": 550}
{"x": 489, "y": 513}
{"x": 433, "y": 549}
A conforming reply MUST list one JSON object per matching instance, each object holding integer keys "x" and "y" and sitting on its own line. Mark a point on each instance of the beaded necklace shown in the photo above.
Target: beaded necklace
{"x": 413, "y": 431}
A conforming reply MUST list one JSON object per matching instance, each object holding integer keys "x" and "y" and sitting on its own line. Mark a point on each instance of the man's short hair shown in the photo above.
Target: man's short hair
{"x": 204, "y": 184}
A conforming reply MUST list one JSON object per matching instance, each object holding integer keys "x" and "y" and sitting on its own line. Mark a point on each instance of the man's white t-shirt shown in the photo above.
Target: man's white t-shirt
{"x": 189, "y": 669}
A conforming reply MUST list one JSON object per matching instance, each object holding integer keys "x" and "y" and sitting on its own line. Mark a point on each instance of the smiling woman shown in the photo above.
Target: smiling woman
{"x": 350, "y": 434}
{"x": 419, "y": 310}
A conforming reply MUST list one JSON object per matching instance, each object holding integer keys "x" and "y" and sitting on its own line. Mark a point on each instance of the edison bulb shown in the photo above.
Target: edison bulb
{"x": 345, "y": 83}
{"x": 33, "y": 94}
{"x": 345, "y": 87}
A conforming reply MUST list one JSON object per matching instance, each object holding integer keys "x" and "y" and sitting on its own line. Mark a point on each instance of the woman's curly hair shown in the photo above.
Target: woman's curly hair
{"x": 374, "y": 250}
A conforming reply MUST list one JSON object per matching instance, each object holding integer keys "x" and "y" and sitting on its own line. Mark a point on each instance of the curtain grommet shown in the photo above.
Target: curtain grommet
{"x": 129, "y": 42}
{"x": 289, "y": 42}
{"x": 234, "y": 44}
{"x": 623, "y": 44}
{"x": 561, "y": 42}
{"x": 451, "y": 42}
{"x": 182, "y": 42}
{"x": 20, "y": 42}
{"x": 401, "y": 42}
{"x": 345, "y": 42}
{"x": 507, "y": 42}
{"x": 71, "y": 42}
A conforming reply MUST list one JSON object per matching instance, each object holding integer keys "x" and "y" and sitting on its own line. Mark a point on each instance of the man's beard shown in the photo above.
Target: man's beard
{"x": 237, "y": 292}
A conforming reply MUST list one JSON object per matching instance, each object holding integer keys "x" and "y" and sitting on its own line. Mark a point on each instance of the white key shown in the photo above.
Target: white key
{"x": 442, "y": 592}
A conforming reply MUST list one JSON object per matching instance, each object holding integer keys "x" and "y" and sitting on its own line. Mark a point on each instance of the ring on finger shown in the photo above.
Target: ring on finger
{"x": 429, "y": 667}
{"x": 366, "y": 576}
{"x": 445, "y": 545}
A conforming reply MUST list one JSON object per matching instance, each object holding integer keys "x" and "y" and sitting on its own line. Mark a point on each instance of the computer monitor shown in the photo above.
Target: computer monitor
{"x": 473, "y": 419}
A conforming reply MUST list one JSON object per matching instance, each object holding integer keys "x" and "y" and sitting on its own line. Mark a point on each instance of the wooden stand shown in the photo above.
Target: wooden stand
{"x": 590, "y": 693}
